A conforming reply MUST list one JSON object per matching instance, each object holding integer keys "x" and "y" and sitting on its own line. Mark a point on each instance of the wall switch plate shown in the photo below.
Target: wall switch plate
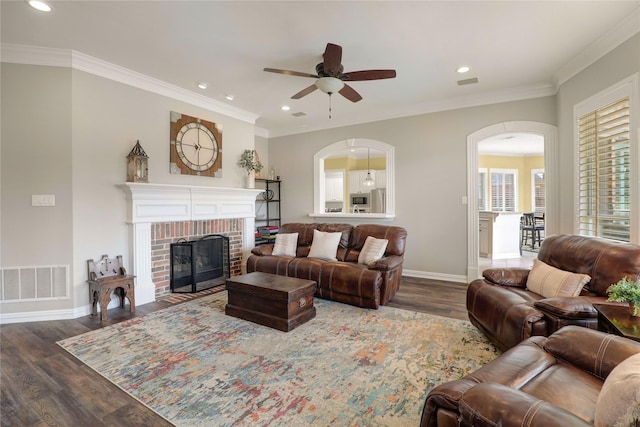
{"x": 43, "y": 200}
{"x": 465, "y": 200}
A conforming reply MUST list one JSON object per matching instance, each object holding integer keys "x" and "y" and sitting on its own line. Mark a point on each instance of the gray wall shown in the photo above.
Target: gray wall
{"x": 36, "y": 160}
{"x": 617, "y": 65}
{"x": 68, "y": 133}
{"x": 431, "y": 158}
{"x": 431, "y": 174}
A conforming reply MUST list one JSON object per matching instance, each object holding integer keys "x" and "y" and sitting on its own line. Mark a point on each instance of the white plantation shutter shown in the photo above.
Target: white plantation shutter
{"x": 538, "y": 191}
{"x": 482, "y": 190}
{"x": 503, "y": 190}
{"x": 604, "y": 172}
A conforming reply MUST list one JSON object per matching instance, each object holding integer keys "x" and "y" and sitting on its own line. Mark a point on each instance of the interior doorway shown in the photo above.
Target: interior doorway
{"x": 493, "y": 133}
{"x": 508, "y": 188}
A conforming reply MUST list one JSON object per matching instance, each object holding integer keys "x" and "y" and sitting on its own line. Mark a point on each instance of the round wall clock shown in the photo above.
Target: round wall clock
{"x": 195, "y": 146}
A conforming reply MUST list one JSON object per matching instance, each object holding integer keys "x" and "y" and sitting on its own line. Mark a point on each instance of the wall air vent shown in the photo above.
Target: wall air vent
{"x": 299, "y": 114}
{"x": 468, "y": 81}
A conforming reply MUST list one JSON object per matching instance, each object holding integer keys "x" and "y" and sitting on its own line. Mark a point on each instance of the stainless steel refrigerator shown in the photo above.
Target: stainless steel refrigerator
{"x": 378, "y": 200}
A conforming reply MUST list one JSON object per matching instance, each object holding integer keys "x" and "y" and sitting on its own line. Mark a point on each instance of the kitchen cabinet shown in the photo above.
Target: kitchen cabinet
{"x": 484, "y": 237}
{"x": 381, "y": 178}
{"x": 356, "y": 178}
{"x": 334, "y": 186}
{"x": 499, "y": 234}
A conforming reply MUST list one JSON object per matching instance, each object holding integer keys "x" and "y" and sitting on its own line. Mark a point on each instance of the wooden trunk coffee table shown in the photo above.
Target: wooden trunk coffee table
{"x": 279, "y": 302}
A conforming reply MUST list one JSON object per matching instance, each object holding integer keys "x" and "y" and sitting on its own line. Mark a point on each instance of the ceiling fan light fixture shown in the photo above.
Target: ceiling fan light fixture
{"x": 329, "y": 84}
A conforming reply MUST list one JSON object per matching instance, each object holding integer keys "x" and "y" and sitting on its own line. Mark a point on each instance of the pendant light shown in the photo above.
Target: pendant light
{"x": 368, "y": 181}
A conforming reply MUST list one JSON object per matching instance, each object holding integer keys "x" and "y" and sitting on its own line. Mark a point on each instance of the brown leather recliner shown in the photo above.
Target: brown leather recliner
{"x": 344, "y": 280}
{"x": 547, "y": 382}
{"x": 507, "y": 313}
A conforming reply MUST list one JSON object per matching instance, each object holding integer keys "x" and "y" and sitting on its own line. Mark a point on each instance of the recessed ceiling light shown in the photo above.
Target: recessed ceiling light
{"x": 40, "y": 5}
{"x": 230, "y": 97}
{"x": 285, "y": 108}
{"x": 203, "y": 85}
{"x": 463, "y": 69}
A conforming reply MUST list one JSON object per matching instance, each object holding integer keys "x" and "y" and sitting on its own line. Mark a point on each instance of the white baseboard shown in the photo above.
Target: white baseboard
{"x": 435, "y": 276}
{"x": 144, "y": 295}
{"x": 43, "y": 316}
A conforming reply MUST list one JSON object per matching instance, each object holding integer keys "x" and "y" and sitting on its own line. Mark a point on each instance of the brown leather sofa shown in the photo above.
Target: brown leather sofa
{"x": 343, "y": 280}
{"x": 545, "y": 382}
{"x": 502, "y": 307}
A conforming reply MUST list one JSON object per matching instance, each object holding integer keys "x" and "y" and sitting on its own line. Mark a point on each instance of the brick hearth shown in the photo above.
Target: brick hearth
{"x": 163, "y": 234}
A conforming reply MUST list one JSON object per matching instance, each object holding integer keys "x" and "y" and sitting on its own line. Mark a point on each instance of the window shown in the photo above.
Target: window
{"x": 482, "y": 190}
{"x": 504, "y": 183}
{"x": 604, "y": 169}
{"x": 537, "y": 190}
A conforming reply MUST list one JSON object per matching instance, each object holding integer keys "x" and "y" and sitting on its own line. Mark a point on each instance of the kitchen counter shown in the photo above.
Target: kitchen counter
{"x": 499, "y": 234}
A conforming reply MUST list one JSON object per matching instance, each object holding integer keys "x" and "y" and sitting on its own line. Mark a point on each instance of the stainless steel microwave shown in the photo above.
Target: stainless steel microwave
{"x": 360, "y": 199}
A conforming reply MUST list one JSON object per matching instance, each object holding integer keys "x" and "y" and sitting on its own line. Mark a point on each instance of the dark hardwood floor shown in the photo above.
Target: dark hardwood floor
{"x": 43, "y": 385}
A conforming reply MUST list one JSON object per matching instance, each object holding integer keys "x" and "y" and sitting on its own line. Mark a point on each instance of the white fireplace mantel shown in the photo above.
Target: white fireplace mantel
{"x": 166, "y": 203}
{"x": 153, "y": 203}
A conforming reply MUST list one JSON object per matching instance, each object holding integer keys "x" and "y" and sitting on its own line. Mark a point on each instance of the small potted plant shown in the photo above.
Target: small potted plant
{"x": 626, "y": 290}
{"x": 250, "y": 162}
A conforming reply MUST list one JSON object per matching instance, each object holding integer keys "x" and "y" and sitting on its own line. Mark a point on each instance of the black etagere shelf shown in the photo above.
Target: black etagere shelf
{"x": 268, "y": 211}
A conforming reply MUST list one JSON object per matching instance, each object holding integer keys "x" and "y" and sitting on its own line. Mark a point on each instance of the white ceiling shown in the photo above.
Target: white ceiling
{"x": 513, "y": 144}
{"x": 516, "y": 49}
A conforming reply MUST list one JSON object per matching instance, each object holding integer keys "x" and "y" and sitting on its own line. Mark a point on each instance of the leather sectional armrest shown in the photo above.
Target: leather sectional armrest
{"x": 590, "y": 350}
{"x": 444, "y": 396}
{"x": 567, "y": 307}
{"x": 516, "y": 277}
{"x": 262, "y": 250}
{"x": 387, "y": 263}
{"x": 478, "y": 408}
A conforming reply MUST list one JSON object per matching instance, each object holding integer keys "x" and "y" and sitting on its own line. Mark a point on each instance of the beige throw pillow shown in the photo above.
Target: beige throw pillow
{"x": 619, "y": 399}
{"x": 372, "y": 250}
{"x": 552, "y": 282}
{"x": 285, "y": 245}
{"x": 325, "y": 245}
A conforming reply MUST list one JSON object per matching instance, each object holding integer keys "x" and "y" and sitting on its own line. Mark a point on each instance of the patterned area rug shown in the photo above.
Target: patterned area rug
{"x": 195, "y": 366}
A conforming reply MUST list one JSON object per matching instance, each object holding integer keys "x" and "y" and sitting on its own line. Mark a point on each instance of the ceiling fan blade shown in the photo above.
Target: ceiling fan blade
{"x": 290, "y": 73}
{"x": 305, "y": 92}
{"x": 350, "y": 93}
{"x": 356, "y": 76}
{"x": 332, "y": 59}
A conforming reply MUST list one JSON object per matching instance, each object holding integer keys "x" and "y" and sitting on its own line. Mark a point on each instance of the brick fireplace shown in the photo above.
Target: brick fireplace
{"x": 160, "y": 214}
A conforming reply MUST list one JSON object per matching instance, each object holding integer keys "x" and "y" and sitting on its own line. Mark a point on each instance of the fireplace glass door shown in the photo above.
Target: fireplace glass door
{"x": 199, "y": 264}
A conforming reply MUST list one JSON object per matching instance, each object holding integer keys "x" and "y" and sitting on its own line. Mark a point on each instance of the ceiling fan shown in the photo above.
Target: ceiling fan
{"x": 331, "y": 78}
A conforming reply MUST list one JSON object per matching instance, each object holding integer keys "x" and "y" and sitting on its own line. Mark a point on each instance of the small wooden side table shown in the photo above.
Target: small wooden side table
{"x": 107, "y": 276}
{"x": 615, "y": 319}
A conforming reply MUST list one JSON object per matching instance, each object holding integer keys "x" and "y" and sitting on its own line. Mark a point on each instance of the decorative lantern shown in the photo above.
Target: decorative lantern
{"x": 137, "y": 165}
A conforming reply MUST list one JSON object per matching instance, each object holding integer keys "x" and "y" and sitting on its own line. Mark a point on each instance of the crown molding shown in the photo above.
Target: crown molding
{"x": 620, "y": 33}
{"x": 496, "y": 97}
{"x": 33, "y": 55}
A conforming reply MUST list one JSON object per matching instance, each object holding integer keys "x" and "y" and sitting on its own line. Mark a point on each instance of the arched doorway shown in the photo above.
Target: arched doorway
{"x": 549, "y": 132}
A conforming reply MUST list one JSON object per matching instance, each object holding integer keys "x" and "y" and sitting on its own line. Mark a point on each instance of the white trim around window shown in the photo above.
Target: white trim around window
{"x": 628, "y": 88}
{"x": 534, "y": 205}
